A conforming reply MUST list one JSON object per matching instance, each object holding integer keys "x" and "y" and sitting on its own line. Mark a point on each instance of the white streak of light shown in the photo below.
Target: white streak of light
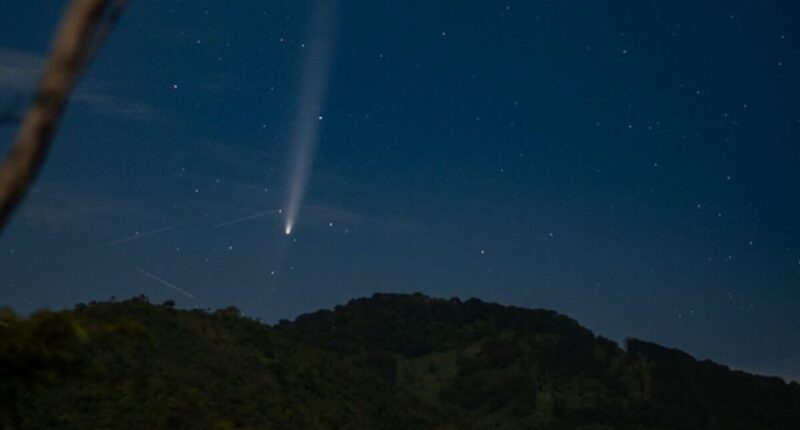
{"x": 246, "y": 218}
{"x": 164, "y": 282}
{"x": 312, "y": 99}
{"x": 139, "y": 236}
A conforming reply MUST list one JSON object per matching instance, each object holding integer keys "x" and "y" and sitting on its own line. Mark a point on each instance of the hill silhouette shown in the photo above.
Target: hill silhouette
{"x": 387, "y": 362}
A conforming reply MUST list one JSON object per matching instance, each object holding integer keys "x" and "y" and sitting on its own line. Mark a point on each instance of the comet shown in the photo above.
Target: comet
{"x": 311, "y": 101}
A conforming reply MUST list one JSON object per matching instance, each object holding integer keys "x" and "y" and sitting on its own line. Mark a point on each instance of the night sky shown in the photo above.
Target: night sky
{"x": 633, "y": 164}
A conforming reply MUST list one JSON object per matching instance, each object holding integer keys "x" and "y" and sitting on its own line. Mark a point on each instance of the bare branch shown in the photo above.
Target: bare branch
{"x": 104, "y": 29}
{"x": 71, "y": 49}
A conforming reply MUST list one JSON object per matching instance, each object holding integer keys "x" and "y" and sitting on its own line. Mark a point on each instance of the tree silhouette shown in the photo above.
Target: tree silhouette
{"x": 37, "y": 352}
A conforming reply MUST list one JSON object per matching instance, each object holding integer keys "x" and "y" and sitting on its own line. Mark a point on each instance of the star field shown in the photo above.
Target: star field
{"x": 631, "y": 164}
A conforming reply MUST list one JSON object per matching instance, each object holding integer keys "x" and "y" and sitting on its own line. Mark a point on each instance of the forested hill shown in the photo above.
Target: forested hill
{"x": 387, "y": 362}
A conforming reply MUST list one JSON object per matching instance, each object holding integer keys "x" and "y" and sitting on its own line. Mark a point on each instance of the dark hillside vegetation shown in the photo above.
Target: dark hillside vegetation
{"x": 387, "y": 362}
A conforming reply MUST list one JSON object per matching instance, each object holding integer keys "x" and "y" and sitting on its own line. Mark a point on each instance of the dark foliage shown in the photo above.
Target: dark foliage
{"x": 388, "y": 362}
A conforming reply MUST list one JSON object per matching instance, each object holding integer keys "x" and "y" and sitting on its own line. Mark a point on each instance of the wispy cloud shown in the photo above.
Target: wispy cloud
{"x": 58, "y": 208}
{"x": 20, "y": 70}
{"x": 108, "y": 105}
{"x": 324, "y": 214}
{"x": 215, "y": 82}
{"x": 332, "y": 213}
{"x": 57, "y": 213}
{"x": 243, "y": 158}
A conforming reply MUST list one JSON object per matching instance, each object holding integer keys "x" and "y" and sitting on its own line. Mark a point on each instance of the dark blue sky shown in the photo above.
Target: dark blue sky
{"x": 633, "y": 164}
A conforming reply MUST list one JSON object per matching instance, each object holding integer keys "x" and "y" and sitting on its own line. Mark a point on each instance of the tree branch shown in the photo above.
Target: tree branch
{"x": 71, "y": 50}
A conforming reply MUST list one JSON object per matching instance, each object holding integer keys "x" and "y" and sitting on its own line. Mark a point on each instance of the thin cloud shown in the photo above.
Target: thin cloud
{"x": 108, "y": 105}
{"x": 19, "y": 70}
{"x": 57, "y": 208}
{"x": 324, "y": 214}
